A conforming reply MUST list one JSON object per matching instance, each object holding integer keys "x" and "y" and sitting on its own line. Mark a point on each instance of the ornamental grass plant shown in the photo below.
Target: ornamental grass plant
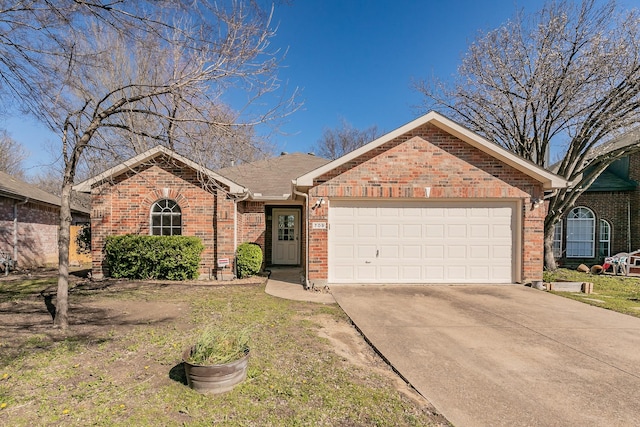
{"x": 217, "y": 346}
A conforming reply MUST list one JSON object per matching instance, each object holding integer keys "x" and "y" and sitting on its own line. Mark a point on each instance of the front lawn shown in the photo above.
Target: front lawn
{"x": 617, "y": 293}
{"x": 119, "y": 364}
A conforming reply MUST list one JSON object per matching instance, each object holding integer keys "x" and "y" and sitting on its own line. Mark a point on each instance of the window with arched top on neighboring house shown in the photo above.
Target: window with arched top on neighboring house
{"x": 580, "y": 233}
{"x": 604, "y": 241}
{"x": 166, "y": 218}
{"x": 557, "y": 239}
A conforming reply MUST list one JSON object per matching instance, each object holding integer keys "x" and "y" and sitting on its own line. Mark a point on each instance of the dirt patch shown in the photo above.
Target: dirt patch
{"x": 349, "y": 344}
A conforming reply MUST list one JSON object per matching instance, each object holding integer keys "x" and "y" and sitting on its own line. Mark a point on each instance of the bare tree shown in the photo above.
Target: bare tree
{"x": 568, "y": 75}
{"x": 150, "y": 69}
{"x": 343, "y": 139}
{"x": 12, "y": 154}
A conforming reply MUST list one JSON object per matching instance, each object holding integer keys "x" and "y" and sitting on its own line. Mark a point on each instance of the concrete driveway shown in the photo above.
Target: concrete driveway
{"x": 504, "y": 355}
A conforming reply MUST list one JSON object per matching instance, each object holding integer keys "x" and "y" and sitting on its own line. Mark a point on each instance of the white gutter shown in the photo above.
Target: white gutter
{"x": 306, "y": 232}
{"x": 15, "y": 228}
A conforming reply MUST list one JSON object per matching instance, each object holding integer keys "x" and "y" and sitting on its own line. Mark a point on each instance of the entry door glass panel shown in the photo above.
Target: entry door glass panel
{"x": 286, "y": 227}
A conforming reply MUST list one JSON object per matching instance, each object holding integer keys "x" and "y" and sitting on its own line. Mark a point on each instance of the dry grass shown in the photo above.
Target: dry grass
{"x": 120, "y": 363}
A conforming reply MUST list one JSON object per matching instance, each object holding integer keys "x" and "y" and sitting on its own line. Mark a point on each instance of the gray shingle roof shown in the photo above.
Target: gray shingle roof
{"x": 272, "y": 177}
{"x": 17, "y": 189}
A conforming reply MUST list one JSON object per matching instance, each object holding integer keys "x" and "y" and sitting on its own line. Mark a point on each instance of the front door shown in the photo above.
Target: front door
{"x": 286, "y": 236}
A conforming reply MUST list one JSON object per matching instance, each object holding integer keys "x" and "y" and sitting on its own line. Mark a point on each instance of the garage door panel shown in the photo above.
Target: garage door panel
{"x": 421, "y": 242}
{"x": 479, "y": 252}
{"x": 392, "y": 212}
{"x": 366, "y": 230}
{"x": 434, "y": 252}
{"x": 434, "y": 213}
{"x": 346, "y": 272}
{"x": 434, "y": 272}
{"x": 434, "y": 230}
{"x": 501, "y": 231}
{"x": 367, "y": 273}
{"x": 457, "y": 230}
{"x": 345, "y": 230}
{"x": 390, "y": 231}
{"x": 503, "y": 270}
{"x": 390, "y": 273}
{"x": 388, "y": 252}
{"x": 479, "y": 213}
{"x": 366, "y": 251}
{"x": 456, "y": 272}
{"x": 480, "y": 273}
{"x": 343, "y": 251}
{"x": 412, "y": 231}
{"x": 479, "y": 231}
{"x": 501, "y": 252}
{"x": 456, "y": 252}
{"x": 411, "y": 252}
{"x": 410, "y": 273}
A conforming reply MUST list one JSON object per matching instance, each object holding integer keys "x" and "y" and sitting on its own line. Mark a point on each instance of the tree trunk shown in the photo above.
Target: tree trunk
{"x": 549, "y": 258}
{"x": 61, "y": 318}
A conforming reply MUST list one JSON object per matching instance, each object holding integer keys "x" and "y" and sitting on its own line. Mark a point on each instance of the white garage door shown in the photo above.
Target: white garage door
{"x": 410, "y": 242}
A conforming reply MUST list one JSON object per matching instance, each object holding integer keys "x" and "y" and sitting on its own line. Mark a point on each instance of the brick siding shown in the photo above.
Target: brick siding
{"x": 616, "y": 207}
{"x": 37, "y": 232}
{"x": 429, "y": 157}
{"x": 124, "y": 205}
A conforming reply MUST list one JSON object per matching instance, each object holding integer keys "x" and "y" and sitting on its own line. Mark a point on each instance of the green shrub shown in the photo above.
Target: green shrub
{"x": 153, "y": 257}
{"x": 248, "y": 259}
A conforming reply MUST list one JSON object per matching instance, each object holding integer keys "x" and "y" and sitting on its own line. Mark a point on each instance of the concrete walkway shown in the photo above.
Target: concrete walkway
{"x": 286, "y": 282}
{"x": 504, "y": 355}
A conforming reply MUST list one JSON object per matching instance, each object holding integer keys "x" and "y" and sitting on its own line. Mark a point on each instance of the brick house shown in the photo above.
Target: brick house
{"x": 29, "y": 219}
{"x": 604, "y": 220}
{"x": 430, "y": 202}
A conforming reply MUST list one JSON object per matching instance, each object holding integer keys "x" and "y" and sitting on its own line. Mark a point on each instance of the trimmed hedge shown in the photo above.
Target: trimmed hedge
{"x": 153, "y": 257}
{"x": 248, "y": 259}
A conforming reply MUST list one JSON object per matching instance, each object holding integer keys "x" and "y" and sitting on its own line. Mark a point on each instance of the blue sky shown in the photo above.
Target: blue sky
{"x": 352, "y": 59}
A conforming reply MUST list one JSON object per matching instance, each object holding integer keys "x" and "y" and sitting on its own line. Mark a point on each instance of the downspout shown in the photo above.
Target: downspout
{"x": 242, "y": 198}
{"x": 306, "y": 233}
{"x": 15, "y": 228}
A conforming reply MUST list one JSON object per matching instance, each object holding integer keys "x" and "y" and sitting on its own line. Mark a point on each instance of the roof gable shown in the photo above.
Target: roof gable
{"x": 444, "y": 169}
{"x": 548, "y": 179}
{"x": 148, "y": 155}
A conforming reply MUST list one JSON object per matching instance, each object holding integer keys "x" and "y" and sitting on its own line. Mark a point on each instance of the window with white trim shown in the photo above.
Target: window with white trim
{"x": 557, "y": 239}
{"x": 604, "y": 241}
{"x": 580, "y": 233}
{"x": 166, "y": 218}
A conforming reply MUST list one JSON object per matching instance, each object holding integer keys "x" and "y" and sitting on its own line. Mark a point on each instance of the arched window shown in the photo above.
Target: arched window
{"x": 580, "y": 233}
{"x": 604, "y": 241}
{"x": 166, "y": 218}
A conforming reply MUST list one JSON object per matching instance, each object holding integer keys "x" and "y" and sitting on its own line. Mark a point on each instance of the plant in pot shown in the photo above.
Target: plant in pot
{"x": 218, "y": 360}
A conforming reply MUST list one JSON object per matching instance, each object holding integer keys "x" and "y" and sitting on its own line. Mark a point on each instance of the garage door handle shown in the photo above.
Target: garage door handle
{"x": 377, "y": 252}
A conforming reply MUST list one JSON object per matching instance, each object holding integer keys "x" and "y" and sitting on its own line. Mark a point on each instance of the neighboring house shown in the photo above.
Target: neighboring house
{"x": 430, "y": 202}
{"x": 29, "y": 220}
{"x": 605, "y": 219}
